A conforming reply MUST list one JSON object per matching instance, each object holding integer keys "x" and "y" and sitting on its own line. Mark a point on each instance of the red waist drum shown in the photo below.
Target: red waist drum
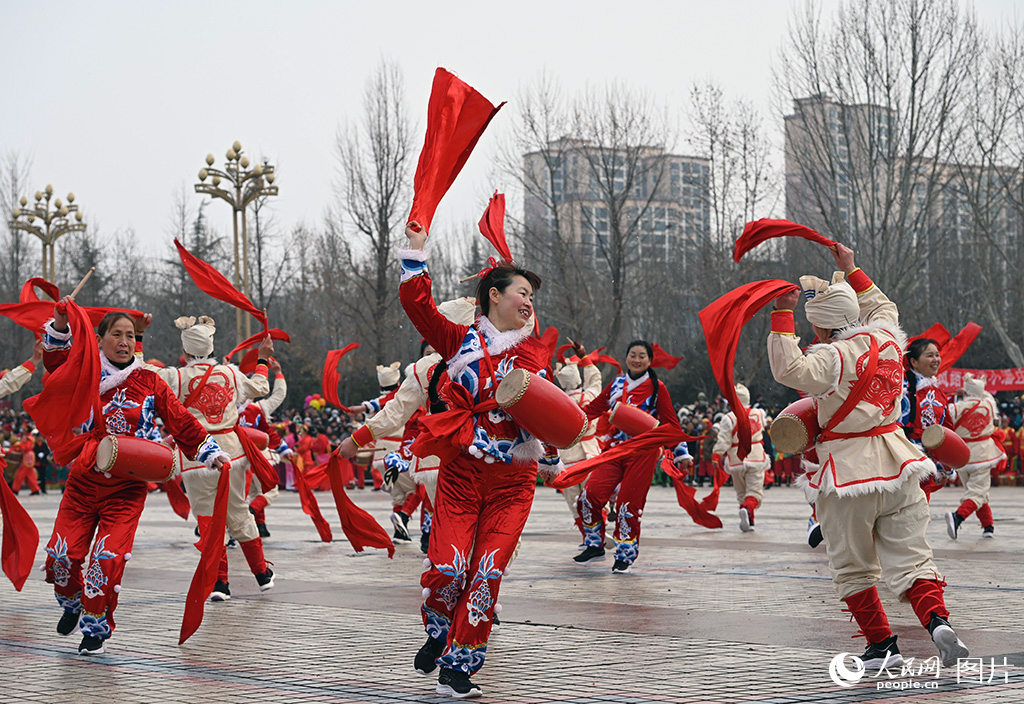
{"x": 631, "y": 420}
{"x": 793, "y": 431}
{"x": 541, "y": 408}
{"x": 945, "y": 446}
{"x": 261, "y": 439}
{"x": 128, "y": 457}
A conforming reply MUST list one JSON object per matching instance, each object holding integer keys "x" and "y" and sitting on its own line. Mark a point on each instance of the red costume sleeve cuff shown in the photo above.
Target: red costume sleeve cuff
{"x": 261, "y": 370}
{"x": 363, "y": 436}
{"x": 138, "y": 347}
{"x": 783, "y": 323}
{"x": 279, "y": 376}
{"x": 860, "y": 281}
{"x": 30, "y": 365}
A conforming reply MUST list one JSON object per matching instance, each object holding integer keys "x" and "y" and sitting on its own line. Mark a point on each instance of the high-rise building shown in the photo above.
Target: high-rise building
{"x": 576, "y": 190}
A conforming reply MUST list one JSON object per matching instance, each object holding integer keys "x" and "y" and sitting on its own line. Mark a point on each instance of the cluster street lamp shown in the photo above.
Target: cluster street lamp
{"x": 54, "y": 222}
{"x": 243, "y": 186}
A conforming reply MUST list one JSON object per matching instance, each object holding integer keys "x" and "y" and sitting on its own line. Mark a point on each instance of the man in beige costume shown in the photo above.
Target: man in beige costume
{"x": 259, "y": 499}
{"x": 582, "y": 391}
{"x": 16, "y": 378}
{"x": 212, "y": 393}
{"x": 974, "y": 419}
{"x": 392, "y": 417}
{"x": 869, "y": 501}
{"x": 747, "y": 474}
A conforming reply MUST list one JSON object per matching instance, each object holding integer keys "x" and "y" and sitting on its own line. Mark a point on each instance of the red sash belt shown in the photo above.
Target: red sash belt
{"x": 827, "y": 435}
{"x": 446, "y": 433}
{"x": 983, "y": 437}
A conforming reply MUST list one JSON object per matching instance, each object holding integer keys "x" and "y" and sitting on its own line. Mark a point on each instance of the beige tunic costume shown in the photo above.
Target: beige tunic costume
{"x": 410, "y": 396}
{"x": 216, "y": 408}
{"x": 748, "y": 473}
{"x": 974, "y": 421}
{"x": 267, "y": 406}
{"x": 568, "y": 376}
{"x": 869, "y": 501}
{"x": 15, "y": 379}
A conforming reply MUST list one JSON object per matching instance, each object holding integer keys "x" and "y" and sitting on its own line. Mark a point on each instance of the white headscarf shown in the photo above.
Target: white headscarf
{"x": 831, "y": 306}
{"x": 196, "y": 338}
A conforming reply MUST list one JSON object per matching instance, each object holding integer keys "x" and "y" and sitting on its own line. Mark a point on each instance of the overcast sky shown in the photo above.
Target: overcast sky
{"x": 121, "y": 101}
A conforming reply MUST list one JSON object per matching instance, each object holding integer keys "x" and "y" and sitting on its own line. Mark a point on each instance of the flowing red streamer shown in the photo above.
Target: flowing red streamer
{"x": 550, "y": 340}
{"x": 275, "y": 334}
{"x": 686, "y": 496}
{"x": 331, "y": 375}
{"x": 309, "y": 504}
{"x": 953, "y": 350}
{"x": 70, "y": 394}
{"x": 663, "y": 360}
{"x": 213, "y": 283}
{"x": 492, "y": 225}
{"x": 723, "y": 320}
{"x": 361, "y": 529}
{"x": 658, "y": 437}
{"x": 457, "y": 116}
{"x": 266, "y": 474}
{"x": 32, "y": 315}
{"x": 21, "y": 538}
{"x": 765, "y": 229}
{"x": 176, "y": 497}
{"x": 212, "y": 544}
{"x": 28, "y": 290}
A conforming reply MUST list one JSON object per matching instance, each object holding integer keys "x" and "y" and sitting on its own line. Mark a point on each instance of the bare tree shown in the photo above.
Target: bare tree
{"x": 268, "y": 269}
{"x": 17, "y": 252}
{"x": 873, "y": 95}
{"x": 375, "y": 159}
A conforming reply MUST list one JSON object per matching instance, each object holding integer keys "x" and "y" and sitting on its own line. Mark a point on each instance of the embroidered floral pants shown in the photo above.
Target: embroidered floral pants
{"x": 479, "y": 514}
{"x": 111, "y": 514}
{"x": 634, "y": 473}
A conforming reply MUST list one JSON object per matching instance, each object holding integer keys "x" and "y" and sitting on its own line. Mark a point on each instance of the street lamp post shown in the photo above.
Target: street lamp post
{"x": 54, "y": 224}
{"x": 246, "y": 184}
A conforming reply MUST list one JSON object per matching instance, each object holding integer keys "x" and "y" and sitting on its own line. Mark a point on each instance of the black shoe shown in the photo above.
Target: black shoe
{"x": 588, "y": 554}
{"x": 262, "y": 528}
{"x": 621, "y": 567}
{"x": 746, "y": 522}
{"x": 814, "y": 535}
{"x": 951, "y": 648}
{"x": 988, "y": 532}
{"x": 34, "y": 493}
{"x": 953, "y": 521}
{"x": 252, "y": 510}
{"x": 495, "y": 622}
{"x": 68, "y": 622}
{"x": 91, "y": 645}
{"x": 424, "y": 542}
{"x": 399, "y": 520}
{"x": 232, "y": 543}
{"x": 883, "y": 654}
{"x": 196, "y": 531}
{"x": 455, "y": 683}
{"x": 428, "y": 653}
{"x": 220, "y": 591}
{"x": 266, "y": 580}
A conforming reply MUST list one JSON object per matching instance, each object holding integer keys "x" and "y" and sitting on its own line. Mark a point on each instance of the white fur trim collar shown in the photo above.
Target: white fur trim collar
{"x": 201, "y": 360}
{"x": 497, "y": 343}
{"x": 111, "y": 377}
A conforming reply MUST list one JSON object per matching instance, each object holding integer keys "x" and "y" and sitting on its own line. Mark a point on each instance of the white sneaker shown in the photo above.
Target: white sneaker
{"x": 745, "y": 525}
{"x": 951, "y": 648}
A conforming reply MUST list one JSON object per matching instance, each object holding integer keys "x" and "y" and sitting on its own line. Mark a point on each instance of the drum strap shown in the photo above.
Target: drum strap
{"x": 193, "y": 395}
{"x": 860, "y": 389}
{"x": 963, "y": 416}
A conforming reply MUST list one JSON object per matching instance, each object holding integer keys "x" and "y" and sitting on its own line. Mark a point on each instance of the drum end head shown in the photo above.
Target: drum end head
{"x": 512, "y": 387}
{"x": 789, "y": 435}
{"x": 933, "y": 436}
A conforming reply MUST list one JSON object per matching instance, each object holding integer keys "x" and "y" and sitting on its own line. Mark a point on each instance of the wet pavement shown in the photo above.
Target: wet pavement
{"x": 705, "y": 616}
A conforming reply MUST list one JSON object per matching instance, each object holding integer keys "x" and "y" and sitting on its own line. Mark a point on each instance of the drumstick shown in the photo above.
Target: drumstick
{"x": 82, "y": 283}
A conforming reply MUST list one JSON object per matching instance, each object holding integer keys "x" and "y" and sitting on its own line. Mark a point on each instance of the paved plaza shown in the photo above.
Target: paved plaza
{"x": 706, "y": 616}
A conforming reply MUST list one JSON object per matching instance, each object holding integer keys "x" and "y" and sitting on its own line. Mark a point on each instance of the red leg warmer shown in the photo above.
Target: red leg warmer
{"x": 926, "y": 598}
{"x": 867, "y": 610}
{"x": 967, "y": 508}
{"x": 253, "y": 551}
{"x": 985, "y": 516}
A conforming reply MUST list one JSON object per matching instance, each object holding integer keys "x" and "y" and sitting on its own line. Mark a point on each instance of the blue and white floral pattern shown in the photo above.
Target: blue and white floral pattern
{"x": 623, "y": 521}
{"x": 94, "y": 625}
{"x": 95, "y": 580}
{"x": 627, "y": 550}
{"x": 480, "y": 599}
{"x": 437, "y": 625}
{"x": 147, "y": 420}
{"x": 72, "y": 604}
{"x": 60, "y": 568}
{"x": 591, "y": 528}
{"x": 468, "y": 658}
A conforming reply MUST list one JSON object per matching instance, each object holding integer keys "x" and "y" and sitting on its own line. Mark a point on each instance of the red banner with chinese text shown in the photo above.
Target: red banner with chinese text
{"x": 995, "y": 379}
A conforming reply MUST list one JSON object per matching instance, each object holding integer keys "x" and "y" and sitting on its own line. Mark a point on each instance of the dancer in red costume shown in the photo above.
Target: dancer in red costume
{"x": 488, "y": 463}
{"x": 212, "y": 393}
{"x": 924, "y": 403}
{"x": 99, "y": 505}
{"x": 388, "y": 378}
{"x": 639, "y": 387}
{"x": 974, "y": 420}
{"x": 866, "y": 491}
